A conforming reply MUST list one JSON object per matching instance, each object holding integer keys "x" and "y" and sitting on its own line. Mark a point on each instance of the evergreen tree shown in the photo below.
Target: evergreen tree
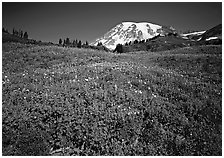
{"x": 64, "y": 43}
{"x": 119, "y": 48}
{"x": 67, "y": 42}
{"x": 25, "y": 35}
{"x": 13, "y": 31}
{"x": 136, "y": 41}
{"x": 87, "y": 43}
{"x": 60, "y": 41}
{"x": 79, "y": 45}
{"x": 74, "y": 44}
{"x": 99, "y": 44}
{"x": 21, "y": 33}
{"x": 17, "y": 33}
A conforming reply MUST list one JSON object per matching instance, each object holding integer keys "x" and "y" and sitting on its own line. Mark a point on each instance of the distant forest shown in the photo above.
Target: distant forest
{"x": 19, "y": 33}
{"x": 74, "y": 43}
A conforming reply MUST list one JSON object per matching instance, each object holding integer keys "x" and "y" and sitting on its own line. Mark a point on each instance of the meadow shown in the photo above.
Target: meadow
{"x": 70, "y": 101}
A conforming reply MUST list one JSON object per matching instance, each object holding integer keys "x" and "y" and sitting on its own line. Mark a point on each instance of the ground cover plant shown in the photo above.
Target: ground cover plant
{"x": 69, "y": 101}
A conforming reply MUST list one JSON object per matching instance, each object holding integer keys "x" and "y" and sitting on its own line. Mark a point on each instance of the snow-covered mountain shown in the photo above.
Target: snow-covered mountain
{"x": 131, "y": 31}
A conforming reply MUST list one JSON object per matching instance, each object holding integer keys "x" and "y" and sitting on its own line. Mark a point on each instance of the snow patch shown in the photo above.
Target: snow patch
{"x": 211, "y": 38}
{"x": 199, "y": 39}
{"x": 194, "y": 33}
{"x": 184, "y": 37}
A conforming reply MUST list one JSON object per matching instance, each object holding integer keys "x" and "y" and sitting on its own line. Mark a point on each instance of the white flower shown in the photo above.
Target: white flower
{"x": 115, "y": 86}
{"x": 154, "y": 95}
{"x": 138, "y": 91}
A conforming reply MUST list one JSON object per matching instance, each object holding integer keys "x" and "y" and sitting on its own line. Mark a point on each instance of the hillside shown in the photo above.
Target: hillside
{"x": 159, "y": 43}
{"x": 212, "y": 36}
{"x": 7, "y": 37}
{"x": 69, "y": 101}
{"x": 213, "y": 32}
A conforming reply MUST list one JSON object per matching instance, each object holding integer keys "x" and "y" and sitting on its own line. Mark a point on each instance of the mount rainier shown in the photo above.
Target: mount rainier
{"x": 131, "y": 31}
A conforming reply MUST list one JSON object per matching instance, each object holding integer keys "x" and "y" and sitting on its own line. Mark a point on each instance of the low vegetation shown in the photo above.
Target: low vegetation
{"x": 70, "y": 101}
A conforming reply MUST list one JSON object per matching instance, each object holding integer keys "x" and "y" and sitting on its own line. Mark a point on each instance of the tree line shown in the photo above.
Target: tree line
{"x": 18, "y": 33}
{"x": 74, "y": 43}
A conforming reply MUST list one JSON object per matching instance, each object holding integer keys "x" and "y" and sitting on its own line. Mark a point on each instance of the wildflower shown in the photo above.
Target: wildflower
{"x": 115, "y": 86}
{"x": 138, "y": 91}
{"x": 154, "y": 95}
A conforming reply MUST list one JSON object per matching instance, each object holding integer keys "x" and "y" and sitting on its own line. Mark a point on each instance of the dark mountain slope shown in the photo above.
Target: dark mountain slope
{"x": 159, "y": 43}
{"x": 212, "y": 36}
{"x": 213, "y": 32}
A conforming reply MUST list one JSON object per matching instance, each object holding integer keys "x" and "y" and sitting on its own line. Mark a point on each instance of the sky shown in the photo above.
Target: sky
{"x": 87, "y": 21}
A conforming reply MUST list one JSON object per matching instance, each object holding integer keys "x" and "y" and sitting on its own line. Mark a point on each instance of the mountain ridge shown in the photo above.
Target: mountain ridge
{"x": 128, "y": 31}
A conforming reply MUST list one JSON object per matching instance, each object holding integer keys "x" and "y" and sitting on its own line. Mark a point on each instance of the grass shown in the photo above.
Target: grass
{"x": 68, "y": 101}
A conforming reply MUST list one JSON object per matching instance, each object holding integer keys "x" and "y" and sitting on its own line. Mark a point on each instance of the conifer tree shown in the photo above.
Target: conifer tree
{"x": 74, "y": 44}
{"x": 99, "y": 44}
{"x": 119, "y": 48}
{"x": 21, "y": 33}
{"x": 60, "y": 41}
{"x": 25, "y": 35}
{"x": 136, "y": 41}
{"x": 67, "y": 42}
{"x": 64, "y": 43}
{"x": 79, "y": 44}
{"x": 13, "y": 31}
